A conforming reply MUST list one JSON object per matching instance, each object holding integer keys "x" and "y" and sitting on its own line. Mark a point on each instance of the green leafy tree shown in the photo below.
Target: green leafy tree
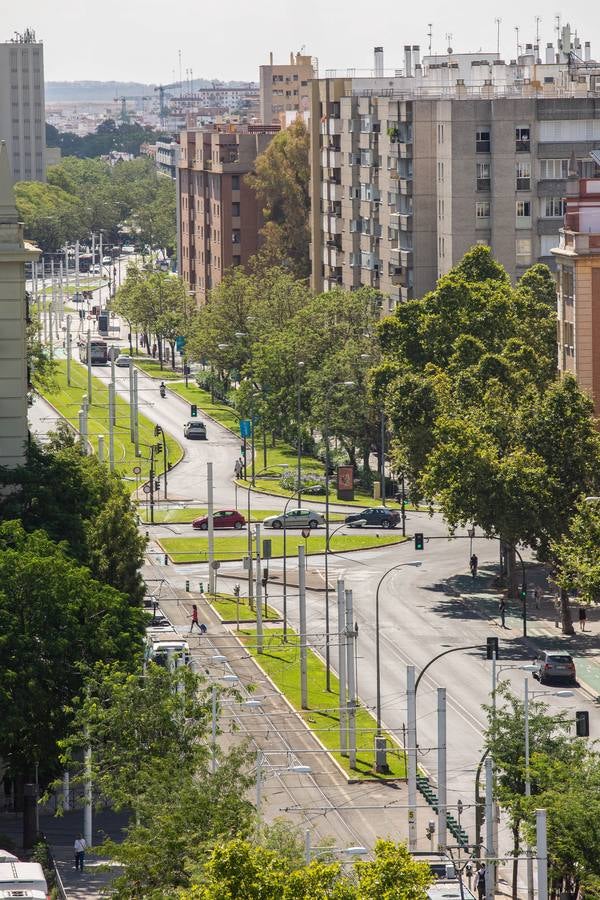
{"x": 55, "y": 620}
{"x": 394, "y": 874}
{"x": 281, "y": 180}
{"x": 576, "y": 553}
{"x": 116, "y": 548}
{"x": 50, "y": 215}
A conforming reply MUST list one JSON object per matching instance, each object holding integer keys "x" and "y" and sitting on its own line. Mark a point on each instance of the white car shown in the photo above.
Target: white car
{"x": 296, "y": 518}
{"x": 123, "y": 362}
{"x": 106, "y": 260}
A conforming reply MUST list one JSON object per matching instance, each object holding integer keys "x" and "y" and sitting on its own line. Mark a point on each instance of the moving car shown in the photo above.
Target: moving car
{"x": 555, "y": 665}
{"x": 223, "y": 518}
{"x": 123, "y": 362}
{"x": 379, "y": 516}
{"x": 296, "y": 518}
{"x": 194, "y": 430}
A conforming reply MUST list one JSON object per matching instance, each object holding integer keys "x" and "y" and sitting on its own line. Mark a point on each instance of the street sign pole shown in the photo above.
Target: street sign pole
{"x": 211, "y": 528}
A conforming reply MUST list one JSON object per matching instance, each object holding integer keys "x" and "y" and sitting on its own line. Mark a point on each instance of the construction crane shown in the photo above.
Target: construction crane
{"x": 124, "y": 115}
{"x": 163, "y": 106}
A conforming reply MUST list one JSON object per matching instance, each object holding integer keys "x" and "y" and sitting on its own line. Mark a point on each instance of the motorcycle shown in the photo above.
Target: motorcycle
{"x": 163, "y": 391}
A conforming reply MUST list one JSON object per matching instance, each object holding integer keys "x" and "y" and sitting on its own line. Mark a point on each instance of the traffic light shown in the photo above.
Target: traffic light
{"x": 492, "y": 647}
{"x": 582, "y": 723}
{"x": 157, "y": 430}
{"x": 419, "y": 540}
{"x": 265, "y": 578}
{"x": 193, "y": 410}
{"x": 523, "y": 593}
{"x": 243, "y": 450}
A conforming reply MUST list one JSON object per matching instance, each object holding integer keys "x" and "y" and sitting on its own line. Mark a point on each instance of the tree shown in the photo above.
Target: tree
{"x": 149, "y": 736}
{"x": 55, "y": 620}
{"x": 281, "y": 180}
{"x": 394, "y": 874}
{"x": 116, "y": 547}
{"x": 576, "y": 553}
{"x": 505, "y": 741}
{"x": 51, "y": 216}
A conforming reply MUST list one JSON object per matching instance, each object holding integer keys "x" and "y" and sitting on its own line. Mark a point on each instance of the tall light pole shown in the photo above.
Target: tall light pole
{"x": 299, "y": 426}
{"x": 329, "y": 389}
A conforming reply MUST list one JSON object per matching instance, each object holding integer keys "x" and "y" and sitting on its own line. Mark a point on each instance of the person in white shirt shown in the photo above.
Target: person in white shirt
{"x": 79, "y": 846}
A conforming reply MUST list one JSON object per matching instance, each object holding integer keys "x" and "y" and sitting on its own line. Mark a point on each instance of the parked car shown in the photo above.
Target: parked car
{"x": 223, "y": 518}
{"x": 123, "y": 362}
{"x": 379, "y": 516}
{"x": 296, "y": 518}
{"x": 194, "y": 430}
{"x": 555, "y": 665}
{"x": 127, "y": 249}
{"x": 106, "y": 260}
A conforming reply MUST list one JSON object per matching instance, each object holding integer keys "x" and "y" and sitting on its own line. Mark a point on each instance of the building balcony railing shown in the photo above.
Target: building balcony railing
{"x": 523, "y": 146}
{"x": 523, "y": 184}
{"x": 483, "y": 184}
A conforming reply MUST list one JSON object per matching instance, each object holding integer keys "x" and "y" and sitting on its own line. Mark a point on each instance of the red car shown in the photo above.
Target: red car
{"x": 223, "y": 518}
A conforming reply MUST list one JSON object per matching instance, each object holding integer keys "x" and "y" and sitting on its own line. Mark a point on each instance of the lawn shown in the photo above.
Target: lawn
{"x": 195, "y": 549}
{"x": 226, "y": 606}
{"x": 185, "y": 515}
{"x": 271, "y": 486}
{"x": 84, "y": 285}
{"x": 152, "y": 367}
{"x": 282, "y": 664}
{"x": 68, "y": 402}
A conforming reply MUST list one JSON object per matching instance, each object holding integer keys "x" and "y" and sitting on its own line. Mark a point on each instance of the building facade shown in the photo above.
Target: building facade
{"x": 22, "y": 112}
{"x": 578, "y": 285}
{"x": 14, "y": 254}
{"x": 410, "y": 170}
{"x": 219, "y": 217}
{"x": 284, "y": 89}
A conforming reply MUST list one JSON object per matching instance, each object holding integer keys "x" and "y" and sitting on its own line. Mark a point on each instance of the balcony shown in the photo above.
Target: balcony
{"x": 331, "y": 159}
{"x": 483, "y": 184}
{"x": 483, "y": 146}
{"x": 406, "y": 259}
{"x": 405, "y": 221}
{"x": 523, "y": 184}
{"x": 331, "y": 126}
{"x": 405, "y": 186}
{"x": 398, "y": 276}
{"x": 523, "y": 146}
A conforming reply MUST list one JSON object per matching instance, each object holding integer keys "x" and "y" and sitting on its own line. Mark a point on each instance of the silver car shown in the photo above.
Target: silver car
{"x": 296, "y": 518}
{"x": 555, "y": 665}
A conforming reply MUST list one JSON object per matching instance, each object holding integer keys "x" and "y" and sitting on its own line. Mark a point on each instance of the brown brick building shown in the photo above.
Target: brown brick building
{"x": 219, "y": 218}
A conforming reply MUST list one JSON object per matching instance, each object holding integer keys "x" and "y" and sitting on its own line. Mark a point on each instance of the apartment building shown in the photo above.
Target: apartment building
{"x": 410, "y": 169}
{"x": 219, "y": 217}
{"x": 22, "y": 112}
{"x": 284, "y": 89}
{"x": 14, "y": 254}
{"x": 578, "y": 281}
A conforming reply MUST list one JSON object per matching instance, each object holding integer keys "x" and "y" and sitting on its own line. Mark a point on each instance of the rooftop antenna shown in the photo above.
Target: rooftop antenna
{"x": 518, "y": 45}
{"x": 557, "y": 29}
{"x": 180, "y": 78}
{"x": 538, "y": 19}
{"x": 497, "y": 21}
{"x": 430, "y": 35}
{"x": 449, "y": 42}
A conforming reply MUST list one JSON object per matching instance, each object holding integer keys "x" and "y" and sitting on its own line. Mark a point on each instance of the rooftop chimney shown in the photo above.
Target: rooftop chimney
{"x": 378, "y": 57}
{"x": 549, "y": 54}
{"x": 416, "y": 54}
{"x": 587, "y": 51}
{"x": 407, "y": 61}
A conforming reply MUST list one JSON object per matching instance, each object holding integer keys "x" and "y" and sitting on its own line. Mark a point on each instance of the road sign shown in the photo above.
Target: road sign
{"x": 215, "y": 564}
{"x": 137, "y": 470}
{"x": 245, "y": 428}
{"x": 267, "y": 545}
{"x": 147, "y": 489}
{"x": 179, "y": 343}
{"x": 305, "y": 533}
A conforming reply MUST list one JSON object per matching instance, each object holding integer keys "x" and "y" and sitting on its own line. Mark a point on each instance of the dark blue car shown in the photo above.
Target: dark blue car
{"x": 377, "y": 516}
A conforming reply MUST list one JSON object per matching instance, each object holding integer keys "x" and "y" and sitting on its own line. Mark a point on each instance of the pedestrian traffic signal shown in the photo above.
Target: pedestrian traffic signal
{"x": 419, "y": 540}
{"x": 193, "y": 410}
{"x": 523, "y": 593}
{"x": 492, "y": 648}
{"x": 582, "y": 723}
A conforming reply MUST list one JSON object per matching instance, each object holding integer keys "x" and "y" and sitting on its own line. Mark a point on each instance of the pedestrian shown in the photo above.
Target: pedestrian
{"x": 194, "y": 618}
{"x": 80, "y": 847}
{"x": 582, "y": 618}
{"x": 473, "y": 563}
{"x": 537, "y": 596}
{"x": 154, "y": 349}
{"x": 480, "y": 881}
{"x": 237, "y": 468}
{"x": 503, "y": 612}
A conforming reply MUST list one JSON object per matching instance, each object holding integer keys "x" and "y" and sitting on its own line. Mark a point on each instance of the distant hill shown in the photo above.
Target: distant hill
{"x": 60, "y": 91}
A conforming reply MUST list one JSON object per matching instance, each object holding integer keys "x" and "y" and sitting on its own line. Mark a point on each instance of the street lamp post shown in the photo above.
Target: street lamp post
{"x": 299, "y": 425}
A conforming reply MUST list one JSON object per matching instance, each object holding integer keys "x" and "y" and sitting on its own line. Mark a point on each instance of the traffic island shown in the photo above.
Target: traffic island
{"x": 232, "y": 609}
{"x": 280, "y": 661}
{"x": 195, "y": 549}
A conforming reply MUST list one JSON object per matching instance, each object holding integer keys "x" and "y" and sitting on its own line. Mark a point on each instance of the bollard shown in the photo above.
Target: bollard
{"x": 381, "y": 755}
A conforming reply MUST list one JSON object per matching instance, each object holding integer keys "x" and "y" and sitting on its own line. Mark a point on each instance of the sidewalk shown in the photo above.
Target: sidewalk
{"x": 480, "y": 596}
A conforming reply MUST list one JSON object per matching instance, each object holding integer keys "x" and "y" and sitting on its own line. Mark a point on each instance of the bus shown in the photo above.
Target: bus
{"x": 98, "y": 352}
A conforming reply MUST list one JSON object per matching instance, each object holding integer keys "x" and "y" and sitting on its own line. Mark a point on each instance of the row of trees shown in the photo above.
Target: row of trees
{"x": 125, "y": 137}
{"x": 70, "y": 594}
{"x": 89, "y": 195}
{"x": 193, "y": 833}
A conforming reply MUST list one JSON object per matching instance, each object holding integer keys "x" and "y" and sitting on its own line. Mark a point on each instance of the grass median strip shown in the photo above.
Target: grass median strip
{"x": 152, "y": 367}
{"x": 67, "y": 400}
{"x": 228, "y": 607}
{"x": 195, "y": 549}
{"x": 185, "y": 515}
{"x": 282, "y": 663}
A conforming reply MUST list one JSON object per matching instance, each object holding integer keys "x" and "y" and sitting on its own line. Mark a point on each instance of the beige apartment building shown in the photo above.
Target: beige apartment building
{"x": 578, "y": 279}
{"x": 22, "y": 109}
{"x": 410, "y": 169}
{"x": 14, "y": 254}
{"x": 219, "y": 217}
{"x": 285, "y": 89}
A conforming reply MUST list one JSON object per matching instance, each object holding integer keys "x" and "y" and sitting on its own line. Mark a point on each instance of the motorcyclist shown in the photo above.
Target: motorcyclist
{"x": 162, "y": 389}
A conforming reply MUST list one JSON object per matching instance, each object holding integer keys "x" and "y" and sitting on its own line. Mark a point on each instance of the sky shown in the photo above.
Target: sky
{"x": 140, "y": 40}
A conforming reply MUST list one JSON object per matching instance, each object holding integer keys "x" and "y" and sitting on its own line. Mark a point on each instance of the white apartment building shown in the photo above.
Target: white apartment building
{"x": 22, "y": 112}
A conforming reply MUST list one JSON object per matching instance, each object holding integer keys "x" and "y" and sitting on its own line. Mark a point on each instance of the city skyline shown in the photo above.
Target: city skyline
{"x": 133, "y": 41}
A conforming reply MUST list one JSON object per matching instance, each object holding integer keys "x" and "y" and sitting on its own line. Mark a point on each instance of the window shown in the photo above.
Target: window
{"x": 235, "y": 182}
{"x": 522, "y": 142}
{"x": 440, "y": 134}
{"x": 523, "y": 249}
{"x": 553, "y": 169}
{"x": 440, "y": 171}
{"x": 523, "y": 210}
{"x": 553, "y": 207}
{"x": 441, "y": 246}
{"x": 483, "y": 176}
{"x": 482, "y": 209}
{"x": 482, "y": 141}
{"x": 235, "y": 209}
{"x": 547, "y": 243}
{"x": 523, "y": 172}
{"x": 440, "y": 208}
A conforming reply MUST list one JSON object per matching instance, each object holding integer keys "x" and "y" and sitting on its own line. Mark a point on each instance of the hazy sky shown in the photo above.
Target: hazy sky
{"x": 140, "y": 39}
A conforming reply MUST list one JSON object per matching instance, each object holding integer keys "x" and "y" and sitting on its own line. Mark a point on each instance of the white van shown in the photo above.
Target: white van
{"x": 24, "y": 880}
{"x": 172, "y": 653}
